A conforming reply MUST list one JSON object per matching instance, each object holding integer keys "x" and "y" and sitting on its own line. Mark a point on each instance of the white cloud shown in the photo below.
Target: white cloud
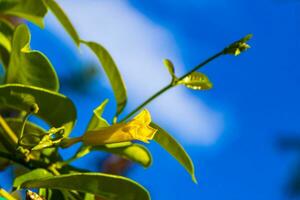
{"x": 138, "y": 46}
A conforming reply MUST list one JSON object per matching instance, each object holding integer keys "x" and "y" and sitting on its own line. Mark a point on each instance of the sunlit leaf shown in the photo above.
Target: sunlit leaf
{"x": 31, "y": 10}
{"x": 237, "y": 47}
{"x": 134, "y": 152}
{"x": 63, "y": 19}
{"x": 56, "y": 109}
{"x": 97, "y": 121}
{"x": 89, "y": 196}
{"x": 34, "y": 174}
{"x": 168, "y": 63}
{"x": 29, "y": 67}
{"x": 103, "y": 185}
{"x": 51, "y": 139}
{"x": 112, "y": 72}
{"x": 196, "y": 81}
{"x": 5, "y": 42}
{"x": 175, "y": 149}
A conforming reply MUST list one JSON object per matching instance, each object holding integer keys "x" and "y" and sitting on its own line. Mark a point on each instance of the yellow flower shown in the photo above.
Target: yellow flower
{"x": 136, "y": 129}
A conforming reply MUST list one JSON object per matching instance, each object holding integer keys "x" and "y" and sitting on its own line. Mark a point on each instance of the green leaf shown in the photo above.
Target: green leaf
{"x": 175, "y": 149}
{"x": 63, "y": 19}
{"x": 89, "y": 196}
{"x": 32, "y": 133}
{"x": 51, "y": 139}
{"x": 134, "y": 152}
{"x": 100, "y": 184}
{"x": 56, "y": 109}
{"x": 6, "y": 32}
{"x": 5, "y": 42}
{"x": 168, "y": 63}
{"x": 34, "y": 174}
{"x": 4, "y": 163}
{"x": 7, "y": 4}
{"x": 97, "y": 121}
{"x": 196, "y": 81}
{"x": 29, "y": 67}
{"x": 6, "y": 28}
{"x": 112, "y": 72}
{"x": 237, "y": 47}
{"x": 31, "y": 10}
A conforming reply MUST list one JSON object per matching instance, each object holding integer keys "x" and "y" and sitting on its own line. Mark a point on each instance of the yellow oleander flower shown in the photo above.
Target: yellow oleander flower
{"x": 136, "y": 129}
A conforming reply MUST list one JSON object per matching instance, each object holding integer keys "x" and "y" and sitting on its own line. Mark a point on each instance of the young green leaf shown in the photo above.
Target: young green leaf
{"x": 168, "y": 63}
{"x": 53, "y": 138}
{"x": 31, "y": 10}
{"x": 175, "y": 149}
{"x": 237, "y": 47}
{"x": 134, "y": 152}
{"x": 102, "y": 185}
{"x": 56, "y": 109}
{"x": 31, "y": 175}
{"x": 196, "y": 81}
{"x": 97, "y": 121}
{"x": 63, "y": 19}
{"x": 112, "y": 72}
{"x": 29, "y": 67}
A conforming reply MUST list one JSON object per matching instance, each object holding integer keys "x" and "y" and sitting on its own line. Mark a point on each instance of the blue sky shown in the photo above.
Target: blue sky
{"x": 231, "y": 131}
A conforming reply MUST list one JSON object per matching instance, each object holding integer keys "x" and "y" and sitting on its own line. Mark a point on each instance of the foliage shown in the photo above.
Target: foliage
{"x": 31, "y": 87}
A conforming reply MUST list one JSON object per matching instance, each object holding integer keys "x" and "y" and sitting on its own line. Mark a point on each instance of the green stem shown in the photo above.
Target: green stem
{"x": 12, "y": 136}
{"x": 147, "y": 101}
{"x": 171, "y": 85}
{"x": 23, "y": 128}
{"x": 15, "y": 159}
{"x": 202, "y": 64}
{"x": 6, "y": 195}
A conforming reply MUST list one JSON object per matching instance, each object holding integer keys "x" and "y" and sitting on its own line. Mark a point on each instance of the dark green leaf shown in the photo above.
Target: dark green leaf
{"x": 56, "y": 109}
{"x": 7, "y": 4}
{"x": 196, "y": 81}
{"x": 112, "y": 72}
{"x": 29, "y": 67}
{"x": 6, "y": 32}
{"x": 103, "y": 185}
{"x": 31, "y": 10}
{"x": 32, "y": 132}
{"x": 34, "y": 174}
{"x": 175, "y": 149}
{"x": 6, "y": 28}
{"x": 63, "y": 19}
{"x": 134, "y": 152}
